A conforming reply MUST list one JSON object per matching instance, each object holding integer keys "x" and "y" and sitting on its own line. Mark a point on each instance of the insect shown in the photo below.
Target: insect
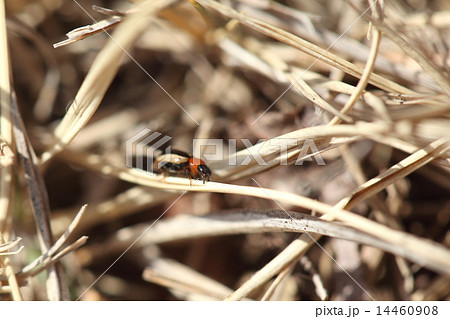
{"x": 178, "y": 163}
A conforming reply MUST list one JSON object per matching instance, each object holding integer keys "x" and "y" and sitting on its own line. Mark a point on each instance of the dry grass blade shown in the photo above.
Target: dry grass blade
{"x": 81, "y": 33}
{"x": 437, "y": 290}
{"x": 6, "y": 158}
{"x": 362, "y": 83}
{"x": 397, "y": 143}
{"x": 402, "y": 169}
{"x": 56, "y": 286}
{"x": 58, "y": 244}
{"x": 268, "y": 295}
{"x": 184, "y": 281}
{"x": 4, "y": 247}
{"x": 51, "y": 260}
{"x": 308, "y": 92}
{"x": 255, "y": 221}
{"x": 6, "y": 155}
{"x": 7, "y": 268}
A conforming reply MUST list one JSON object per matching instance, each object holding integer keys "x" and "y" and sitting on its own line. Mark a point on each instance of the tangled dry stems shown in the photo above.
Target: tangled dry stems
{"x": 376, "y": 109}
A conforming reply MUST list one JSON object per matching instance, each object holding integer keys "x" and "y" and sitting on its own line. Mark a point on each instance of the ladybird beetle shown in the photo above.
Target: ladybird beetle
{"x": 178, "y": 163}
